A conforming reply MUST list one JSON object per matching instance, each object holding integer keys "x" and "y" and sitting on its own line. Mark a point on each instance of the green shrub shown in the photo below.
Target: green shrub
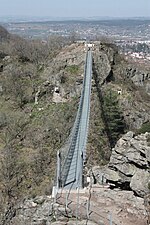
{"x": 74, "y": 69}
{"x": 145, "y": 128}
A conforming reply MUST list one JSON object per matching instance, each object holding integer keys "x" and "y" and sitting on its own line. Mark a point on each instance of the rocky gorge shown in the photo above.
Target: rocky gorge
{"x": 39, "y": 100}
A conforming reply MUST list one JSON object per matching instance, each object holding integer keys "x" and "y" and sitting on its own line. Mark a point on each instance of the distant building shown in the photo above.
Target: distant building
{"x": 89, "y": 45}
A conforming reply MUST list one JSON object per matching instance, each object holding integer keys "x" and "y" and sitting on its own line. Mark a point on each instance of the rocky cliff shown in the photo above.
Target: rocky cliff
{"x": 130, "y": 81}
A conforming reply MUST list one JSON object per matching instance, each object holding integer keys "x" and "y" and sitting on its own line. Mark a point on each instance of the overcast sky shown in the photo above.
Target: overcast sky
{"x": 75, "y": 8}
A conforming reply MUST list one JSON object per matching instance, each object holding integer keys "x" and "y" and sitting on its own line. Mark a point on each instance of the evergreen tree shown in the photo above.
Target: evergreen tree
{"x": 113, "y": 116}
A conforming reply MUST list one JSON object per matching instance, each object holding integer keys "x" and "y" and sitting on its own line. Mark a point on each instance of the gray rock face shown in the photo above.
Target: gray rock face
{"x": 129, "y": 166}
{"x": 58, "y": 71}
{"x": 43, "y": 210}
{"x": 139, "y": 78}
{"x": 102, "y": 66}
{"x": 135, "y": 113}
{"x": 139, "y": 182}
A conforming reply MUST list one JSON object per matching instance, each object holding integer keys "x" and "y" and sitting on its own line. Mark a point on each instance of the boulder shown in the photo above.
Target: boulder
{"x": 101, "y": 174}
{"x": 128, "y": 136}
{"x": 139, "y": 182}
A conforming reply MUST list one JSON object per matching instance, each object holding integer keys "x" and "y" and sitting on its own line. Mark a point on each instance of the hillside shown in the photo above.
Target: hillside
{"x": 40, "y": 85}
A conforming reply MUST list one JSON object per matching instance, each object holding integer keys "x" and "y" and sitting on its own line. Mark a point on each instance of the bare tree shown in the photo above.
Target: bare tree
{"x": 12, "y": 167}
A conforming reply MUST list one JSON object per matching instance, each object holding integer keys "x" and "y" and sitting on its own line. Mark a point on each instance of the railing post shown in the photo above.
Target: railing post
{"x": 77, "y": 206}
{"x": 87, "y": 209}
{"x": 58, "y": 169}
{"x": 66, "y": 205}
{"x": 81, "y": 172}
{"x": 110, "y": 218}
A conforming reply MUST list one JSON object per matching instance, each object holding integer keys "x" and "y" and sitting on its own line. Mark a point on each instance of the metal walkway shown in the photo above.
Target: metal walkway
{"x": 70, "y": 161}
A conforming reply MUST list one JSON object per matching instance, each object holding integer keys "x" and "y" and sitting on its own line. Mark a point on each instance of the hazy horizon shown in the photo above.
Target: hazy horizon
{"x": 75, "y": 8}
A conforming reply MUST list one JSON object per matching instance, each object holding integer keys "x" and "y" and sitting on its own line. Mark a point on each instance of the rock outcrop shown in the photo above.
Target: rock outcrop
{"x": 139, "y": 77}
{"x": 43, "y": 210}
{"x": 66, "y": 72}
{"x": 129, "y": 166}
